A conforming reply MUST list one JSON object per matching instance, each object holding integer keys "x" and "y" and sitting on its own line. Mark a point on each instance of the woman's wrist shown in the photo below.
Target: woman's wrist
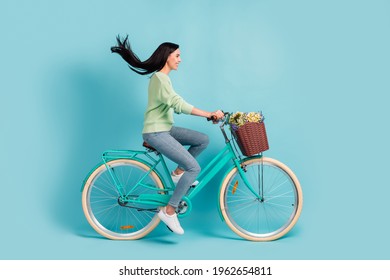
{"x": 201, "y": 113}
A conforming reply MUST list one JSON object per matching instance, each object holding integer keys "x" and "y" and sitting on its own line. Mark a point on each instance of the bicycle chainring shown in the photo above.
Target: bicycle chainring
{"x": 184, "y": 207}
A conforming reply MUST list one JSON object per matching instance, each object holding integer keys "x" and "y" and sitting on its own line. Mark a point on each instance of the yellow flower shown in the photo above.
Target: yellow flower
{"x": 240, "y": 118}
{"x": 253, "y": 117}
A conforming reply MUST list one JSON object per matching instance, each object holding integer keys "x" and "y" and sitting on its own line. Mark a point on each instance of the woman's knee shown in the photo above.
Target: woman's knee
{"x": 204, "y": 140}
{"x": 197, "y": 168}
{"x": 193, "y": 167}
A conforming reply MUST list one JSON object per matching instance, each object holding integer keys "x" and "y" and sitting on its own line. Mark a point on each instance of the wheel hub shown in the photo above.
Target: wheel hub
{"x": 121, "y": 201}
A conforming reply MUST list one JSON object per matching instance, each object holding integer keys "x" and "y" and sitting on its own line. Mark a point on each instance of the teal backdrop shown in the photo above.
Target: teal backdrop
{"x": 319, "y": 71}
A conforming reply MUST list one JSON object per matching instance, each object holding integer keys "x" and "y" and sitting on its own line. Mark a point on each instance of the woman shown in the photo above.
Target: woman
{"x": 159, "y": 131}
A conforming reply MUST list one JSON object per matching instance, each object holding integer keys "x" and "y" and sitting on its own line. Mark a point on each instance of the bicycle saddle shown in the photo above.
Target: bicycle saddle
{"x": 147, "y": 146}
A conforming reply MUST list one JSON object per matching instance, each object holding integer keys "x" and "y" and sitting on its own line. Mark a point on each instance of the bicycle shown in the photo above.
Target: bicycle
{"x": 260, "y": 198}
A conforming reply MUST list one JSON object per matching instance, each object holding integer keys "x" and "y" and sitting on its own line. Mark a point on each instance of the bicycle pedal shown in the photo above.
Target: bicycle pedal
{"x": 194, "y": 184}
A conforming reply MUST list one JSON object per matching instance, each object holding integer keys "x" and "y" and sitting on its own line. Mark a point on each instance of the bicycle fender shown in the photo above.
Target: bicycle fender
{"x": 89, "y": 174}
{"x": 219, "y": 192}
{"x": 102, "y": 162}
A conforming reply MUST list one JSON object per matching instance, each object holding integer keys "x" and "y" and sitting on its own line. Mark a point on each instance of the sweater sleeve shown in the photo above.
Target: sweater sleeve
{"x": 169, "y": 97}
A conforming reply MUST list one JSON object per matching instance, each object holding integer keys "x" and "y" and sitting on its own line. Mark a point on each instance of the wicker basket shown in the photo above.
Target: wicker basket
{"x": 251, "y": 138}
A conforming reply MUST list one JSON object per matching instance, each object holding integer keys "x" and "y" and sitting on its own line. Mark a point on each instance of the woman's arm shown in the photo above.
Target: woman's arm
{"x": 198, "y": 112}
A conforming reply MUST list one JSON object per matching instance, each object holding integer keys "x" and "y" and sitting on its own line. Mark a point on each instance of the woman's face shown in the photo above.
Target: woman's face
{"x": 174, "y": 60}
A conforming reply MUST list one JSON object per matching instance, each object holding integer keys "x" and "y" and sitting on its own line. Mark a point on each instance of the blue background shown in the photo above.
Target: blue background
{"x": 319, "y": 71}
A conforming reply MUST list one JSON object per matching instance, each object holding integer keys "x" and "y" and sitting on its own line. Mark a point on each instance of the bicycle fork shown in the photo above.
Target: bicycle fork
{"x": 259, "y": 194}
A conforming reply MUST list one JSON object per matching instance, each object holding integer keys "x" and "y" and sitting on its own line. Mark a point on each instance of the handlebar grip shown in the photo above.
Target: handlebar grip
{"x": 212, "y": 118}
{"x": 215, "y": 119}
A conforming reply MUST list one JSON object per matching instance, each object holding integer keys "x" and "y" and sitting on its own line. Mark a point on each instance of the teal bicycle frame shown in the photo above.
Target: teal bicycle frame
{"x": 162, "y": 196}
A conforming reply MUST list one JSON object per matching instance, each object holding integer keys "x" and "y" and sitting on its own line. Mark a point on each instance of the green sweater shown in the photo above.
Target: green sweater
{"x": 163, "y": 101}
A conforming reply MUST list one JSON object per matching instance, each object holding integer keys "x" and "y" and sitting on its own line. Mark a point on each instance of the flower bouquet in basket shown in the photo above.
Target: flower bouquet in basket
{"x": 249, "y": 131}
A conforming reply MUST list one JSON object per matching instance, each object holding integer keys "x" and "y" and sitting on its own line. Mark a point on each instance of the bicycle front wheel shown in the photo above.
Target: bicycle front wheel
{"x": 272, "y": 213}
{"x": 106, "y": 210}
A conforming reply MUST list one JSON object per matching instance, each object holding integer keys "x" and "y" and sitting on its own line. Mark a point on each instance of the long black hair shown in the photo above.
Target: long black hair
{"x": 154, "y": 63}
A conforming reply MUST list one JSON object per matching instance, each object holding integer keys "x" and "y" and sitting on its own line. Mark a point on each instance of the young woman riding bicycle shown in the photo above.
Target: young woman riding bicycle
{"x": 159, "y": 130}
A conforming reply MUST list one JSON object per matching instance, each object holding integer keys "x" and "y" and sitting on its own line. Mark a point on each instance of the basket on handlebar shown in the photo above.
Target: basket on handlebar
{"x": 249, "y": 131}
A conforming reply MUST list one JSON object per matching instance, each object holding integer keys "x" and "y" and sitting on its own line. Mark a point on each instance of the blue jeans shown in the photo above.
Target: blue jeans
{"x": 170, "y": 144}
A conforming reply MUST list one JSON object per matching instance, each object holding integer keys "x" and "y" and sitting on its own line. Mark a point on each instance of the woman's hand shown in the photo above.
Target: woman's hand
{"x": 216, "y": 115}
{"x": 219, "y": 114}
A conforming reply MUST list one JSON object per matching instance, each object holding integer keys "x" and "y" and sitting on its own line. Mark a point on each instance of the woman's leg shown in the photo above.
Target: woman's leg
{"x": 167, "y": 145}
{"x": 170, "y": 144}
{"x": 197, "y": 141}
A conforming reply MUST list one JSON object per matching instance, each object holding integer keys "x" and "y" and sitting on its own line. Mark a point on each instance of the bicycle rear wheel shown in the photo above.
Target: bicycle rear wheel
{"x": 106, "y": 210}
{"x": 266, "y": 218}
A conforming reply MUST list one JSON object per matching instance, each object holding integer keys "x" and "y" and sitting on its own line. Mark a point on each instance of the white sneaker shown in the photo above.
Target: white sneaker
{"x": 171, "y": 221}
{"x": 176, "y": 178}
